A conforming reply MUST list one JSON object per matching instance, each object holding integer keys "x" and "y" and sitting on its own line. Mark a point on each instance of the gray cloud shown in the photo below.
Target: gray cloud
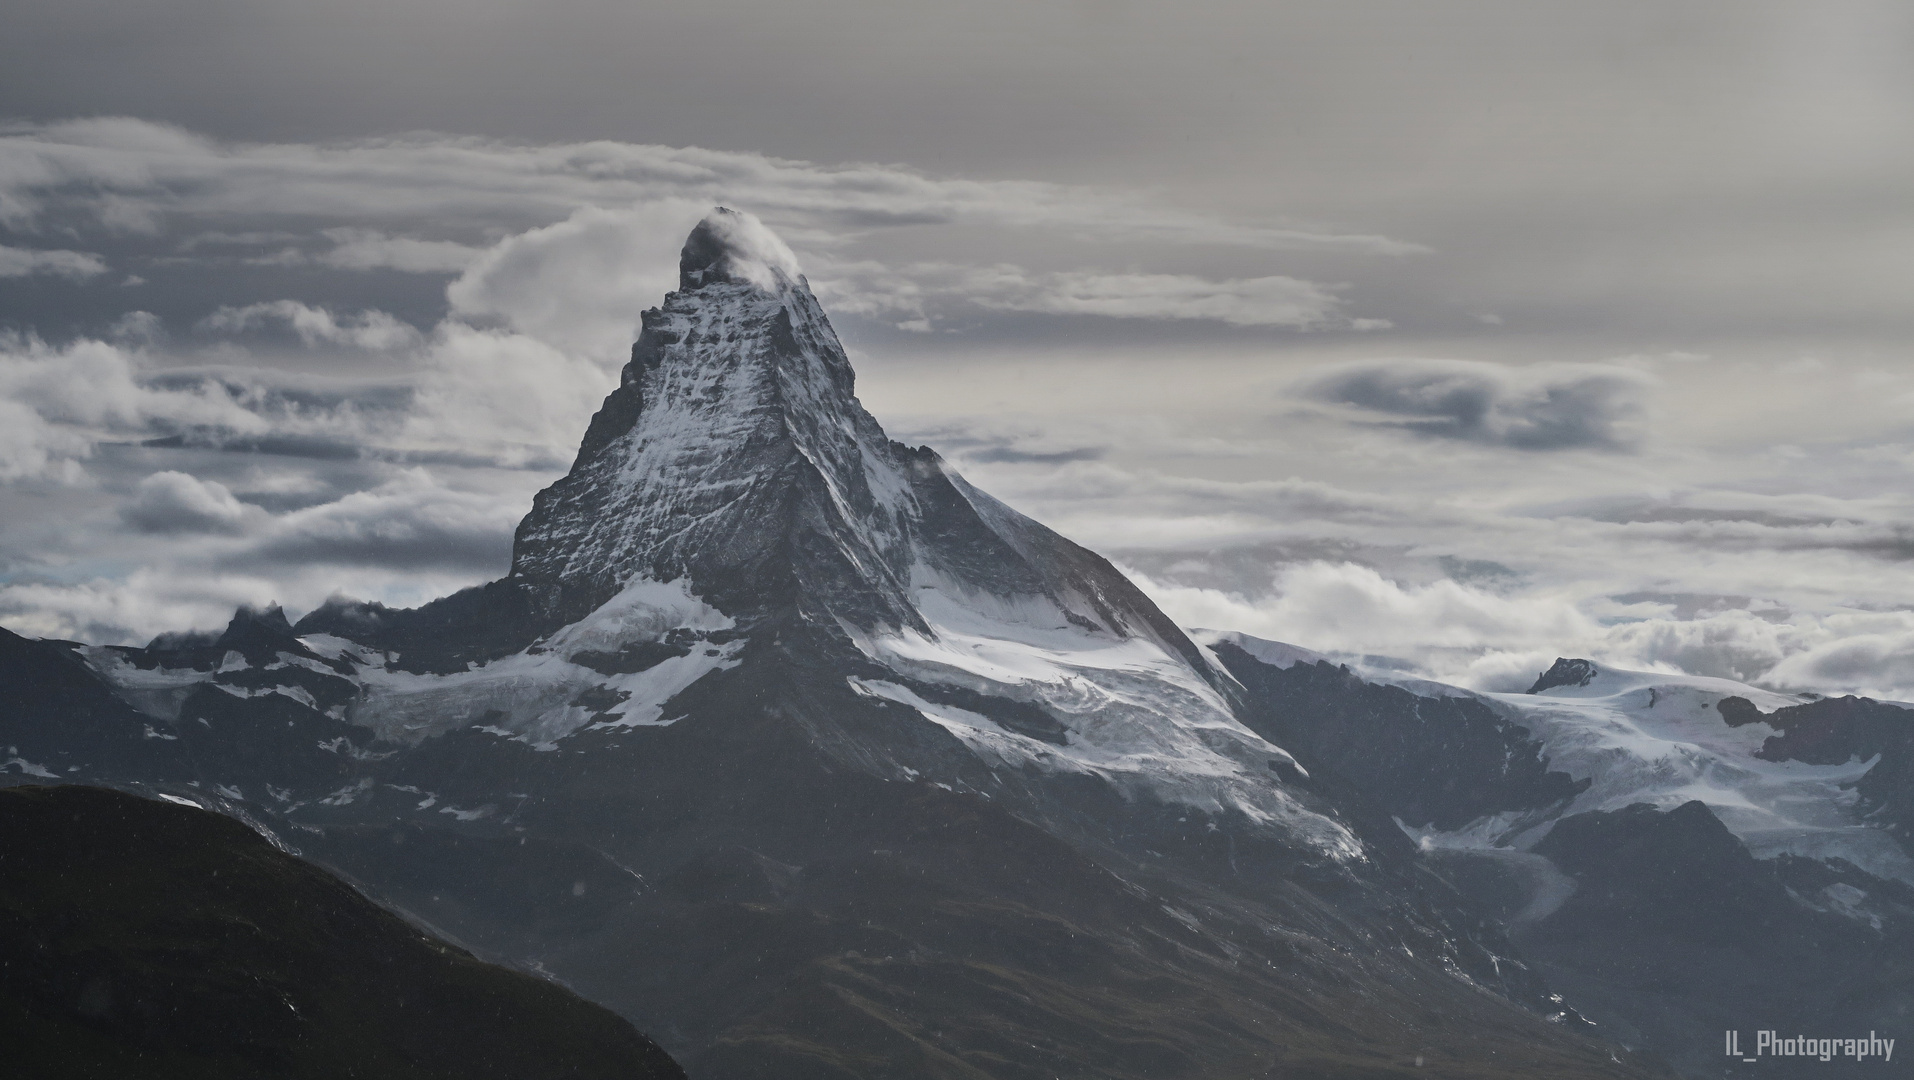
{"x": 58, "y": 404}
{"x": 369, "y": 249}
{"x": 370, "y": 330}
{"x": 292, "y": 532}
{"x": 411, "y": 523}
{"x": 1000, "y": 455}
{"x": 174, "y": 502}
{"x": 1578, "y": 171}
{"x": 1265, "y": 301}
{"x": 922, "y": 296}
{"x": 999, "y": 446}
{"x": 1540, "y": 407}
{"x": 1417, "y": 553}
{"x": 130, "y": 176}
{"x": 1878, "y": 662}
{"x": 313, "y": 447}
{"x": 20, "y": 262}
{"x": 137, "y": 328}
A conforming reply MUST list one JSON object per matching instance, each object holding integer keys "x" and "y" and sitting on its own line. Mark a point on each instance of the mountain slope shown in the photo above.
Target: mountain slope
{"x": 141, "y": 938}
{"x": 1675, "y": 854}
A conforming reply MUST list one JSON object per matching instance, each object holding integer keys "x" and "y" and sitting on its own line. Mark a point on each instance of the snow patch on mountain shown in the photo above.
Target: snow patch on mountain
{"x": 1659, "y": 738}
{"x": 1134, "y": 713}
{"x": 1284, "y": 655}
{"x": 28, "y": 768}
{"x": 1278, "y": 654}
{"x": 652, "y": 688}
{"x": 645, "y": 611}
{"x": 158, "y": 692}
{"x": 297, "y": 693}
{"x": 542, "y": 695}
{"x": 1649, "y": 737}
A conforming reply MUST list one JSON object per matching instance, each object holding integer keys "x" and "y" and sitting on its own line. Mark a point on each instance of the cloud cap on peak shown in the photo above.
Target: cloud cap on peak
{"x": 734, "y": 246}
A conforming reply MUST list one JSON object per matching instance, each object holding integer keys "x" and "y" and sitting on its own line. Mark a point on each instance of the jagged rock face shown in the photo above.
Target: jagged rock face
{"x": 1836, "y": 730}
{"x": 733, "y": 453}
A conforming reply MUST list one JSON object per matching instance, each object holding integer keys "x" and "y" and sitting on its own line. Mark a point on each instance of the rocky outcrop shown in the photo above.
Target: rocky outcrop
{"x": 1565, "y": 672}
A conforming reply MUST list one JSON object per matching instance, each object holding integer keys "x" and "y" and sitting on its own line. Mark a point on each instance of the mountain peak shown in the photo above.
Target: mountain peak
{"x": 735, "y": 455}
{"x": 734, "y": 246}
{"x": 734, "y": 431}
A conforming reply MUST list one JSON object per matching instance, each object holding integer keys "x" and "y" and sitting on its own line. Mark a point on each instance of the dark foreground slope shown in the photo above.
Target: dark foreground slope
{"x": 145, "y": 939}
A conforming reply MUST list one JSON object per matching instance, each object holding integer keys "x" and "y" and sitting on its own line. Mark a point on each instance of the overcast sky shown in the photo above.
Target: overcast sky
{"x": 1463, "y": 333}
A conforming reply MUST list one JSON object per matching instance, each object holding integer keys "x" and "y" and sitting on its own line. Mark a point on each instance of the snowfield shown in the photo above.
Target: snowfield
{"x": 1658, "y": 738}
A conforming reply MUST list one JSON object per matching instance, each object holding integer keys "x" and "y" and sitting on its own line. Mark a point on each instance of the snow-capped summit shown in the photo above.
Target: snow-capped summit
{"x": 735, "y": 454}
{"x": 735, "y": 247}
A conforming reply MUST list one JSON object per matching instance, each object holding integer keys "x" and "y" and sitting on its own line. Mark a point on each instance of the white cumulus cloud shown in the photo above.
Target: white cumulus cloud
{"x": 503, "y": 397}
{"x": 56, "y": 404}
{"x": 579, "y": 284}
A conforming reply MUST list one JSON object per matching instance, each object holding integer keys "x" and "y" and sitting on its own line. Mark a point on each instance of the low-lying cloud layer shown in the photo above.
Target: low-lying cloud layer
{"x": 1480, "y": 638}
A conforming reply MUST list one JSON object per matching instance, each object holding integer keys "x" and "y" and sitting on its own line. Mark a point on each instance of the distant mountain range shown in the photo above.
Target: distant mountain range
{"x": 810, "y": 759}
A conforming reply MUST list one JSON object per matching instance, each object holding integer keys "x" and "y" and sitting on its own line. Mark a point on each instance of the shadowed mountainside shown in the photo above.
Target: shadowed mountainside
{"x": 141, "y": 938}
